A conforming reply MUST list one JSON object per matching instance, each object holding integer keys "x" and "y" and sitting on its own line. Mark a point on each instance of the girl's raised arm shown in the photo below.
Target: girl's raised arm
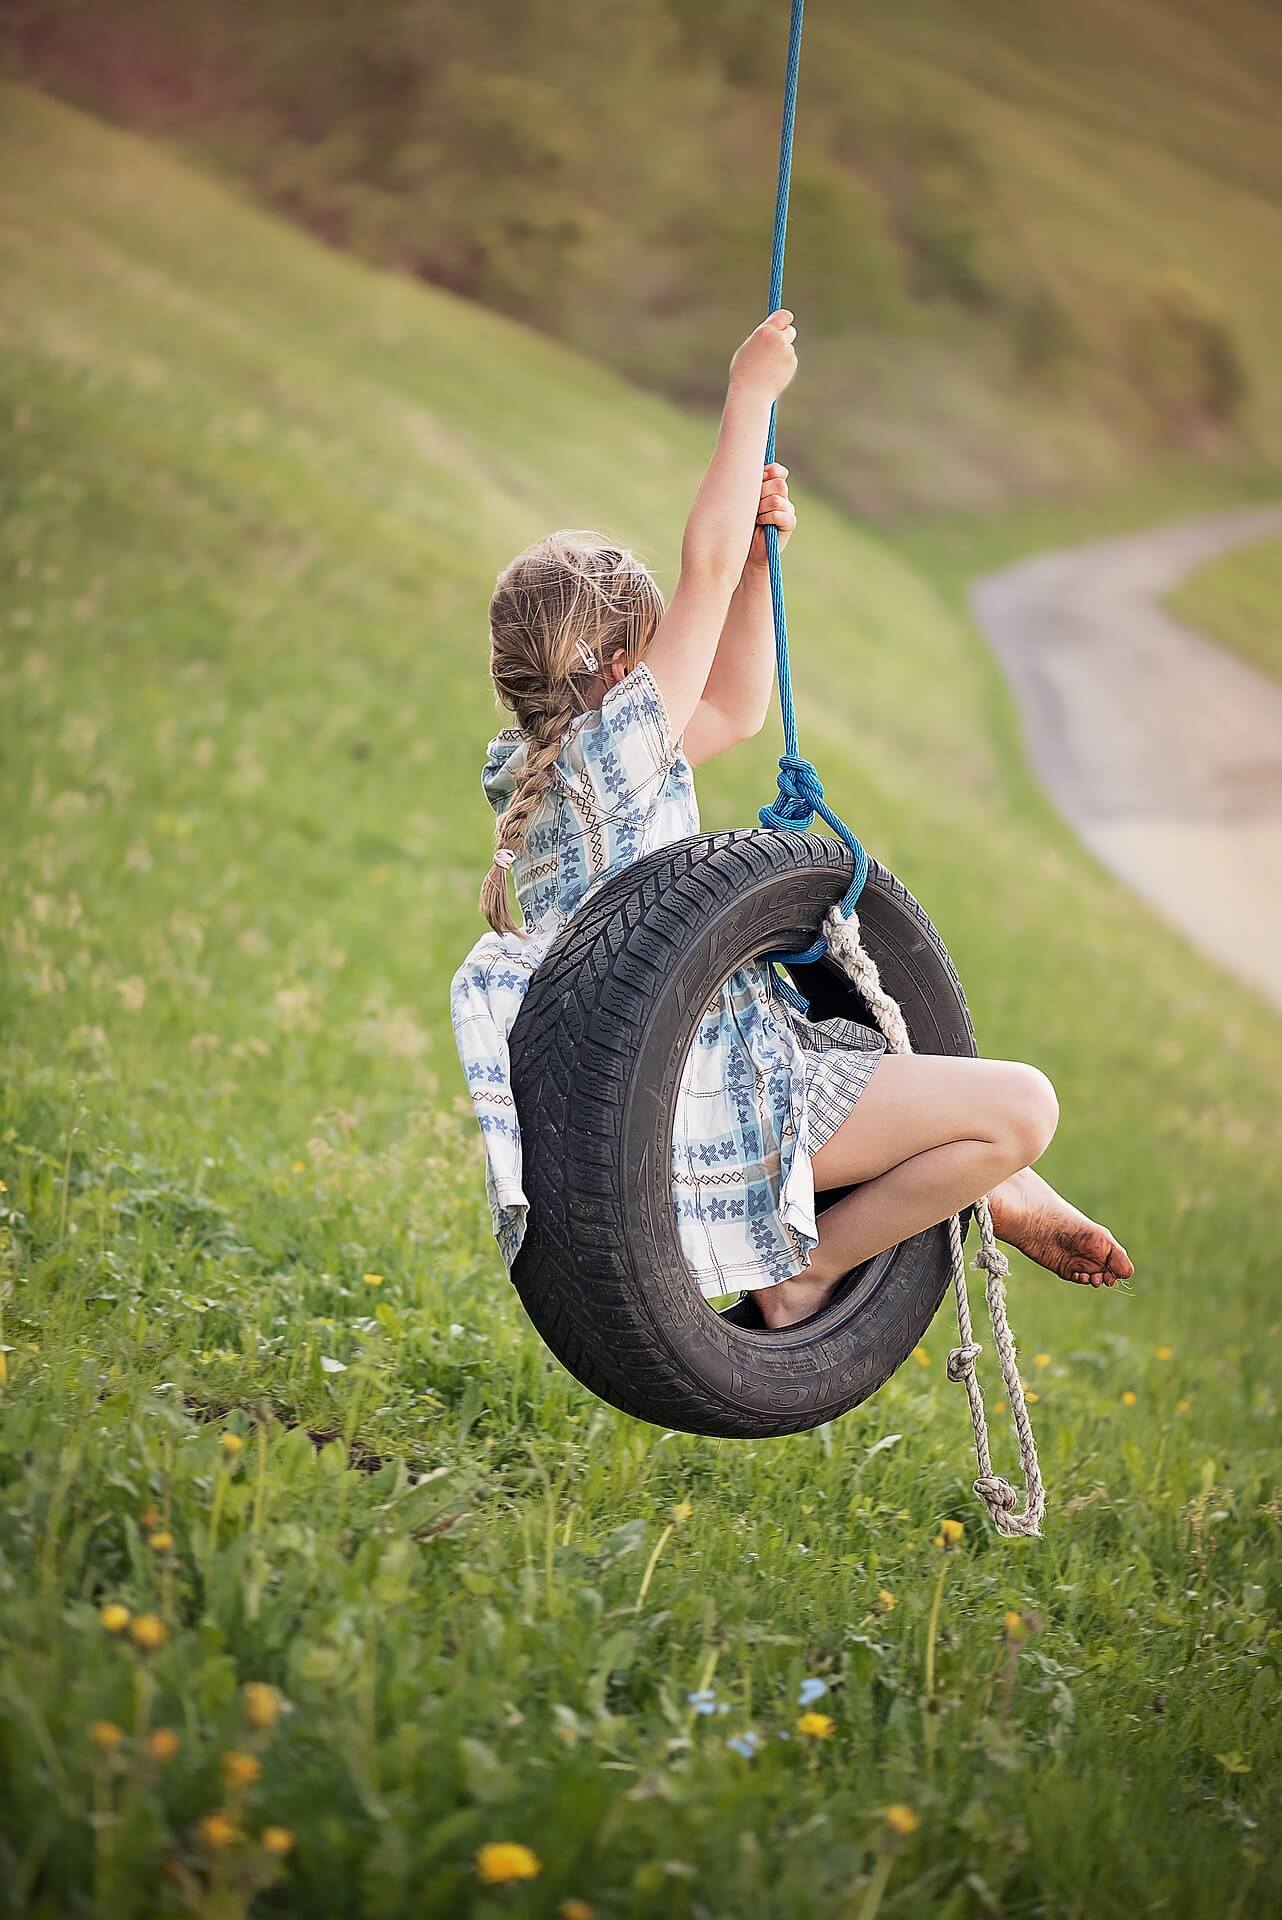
{"x": 720, "y": 527}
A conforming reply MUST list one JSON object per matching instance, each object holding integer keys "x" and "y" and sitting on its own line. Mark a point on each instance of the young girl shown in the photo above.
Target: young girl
{"x": 615, "y": 699}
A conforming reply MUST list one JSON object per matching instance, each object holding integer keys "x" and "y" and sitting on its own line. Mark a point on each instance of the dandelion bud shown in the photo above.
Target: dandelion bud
{"x": 262, "y": 1706}
{"x": 218, "y": 1831}
{"x": 502, "y": 1860}
{"x": 241, "y": 1769}
{"x": 815, "y": 1726}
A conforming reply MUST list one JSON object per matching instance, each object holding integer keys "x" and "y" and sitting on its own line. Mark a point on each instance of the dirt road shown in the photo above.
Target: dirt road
{"x": 1163, "y": 751}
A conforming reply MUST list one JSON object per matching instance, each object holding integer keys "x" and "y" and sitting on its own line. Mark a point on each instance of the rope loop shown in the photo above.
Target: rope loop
{"x": 800, "y": 794}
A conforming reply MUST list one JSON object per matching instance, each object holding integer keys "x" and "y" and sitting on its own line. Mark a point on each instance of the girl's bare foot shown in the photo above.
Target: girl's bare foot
{"x": 1030, "y": 1215}
{"x": 1027, "y": 1213}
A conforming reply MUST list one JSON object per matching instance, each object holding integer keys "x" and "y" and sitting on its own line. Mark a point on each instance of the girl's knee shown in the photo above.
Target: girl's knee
{"x": 1032, "y": 1114}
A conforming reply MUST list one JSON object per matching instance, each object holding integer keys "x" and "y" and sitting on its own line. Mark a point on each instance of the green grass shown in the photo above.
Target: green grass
{"x": 253, "y": 499}
{"x": 1237, "y": 600}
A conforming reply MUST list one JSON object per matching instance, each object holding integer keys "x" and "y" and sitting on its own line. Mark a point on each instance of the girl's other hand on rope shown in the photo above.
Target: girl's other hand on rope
{"x": 767, "y": 360}
{"x": 776, "y": 510}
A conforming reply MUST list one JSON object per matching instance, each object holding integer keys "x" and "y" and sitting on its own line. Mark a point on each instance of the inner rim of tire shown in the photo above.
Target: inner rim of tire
{"x": 829, "y": 992}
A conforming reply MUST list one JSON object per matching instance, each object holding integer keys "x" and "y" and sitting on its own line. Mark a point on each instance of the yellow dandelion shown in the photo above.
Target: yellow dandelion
{"x": 1129, "y": 1399}
{"x": 149, "y": 1632}
{"x": 1013, "y": 1624}
{"x": 105, "y": 1734}
{"x": 1041, "y": 1359}
{"x": 162, "y": 1744}
{"x": 1031, "y": 1398}
{"x": 1164, "y": 1353}
{"x": 681, "y": 1512}
{"x": 262, "y": 1705}
{"x": 231, "y": 1444}
{"x": 901, "y": 1819}
{"x": 218, "y": 1831}
{"x": 161, "y": 1542}
{"x": 1182, "y": 1406}
{"x": 950, "y": 1532}
{"x": 575, "y": 1910}
{"x": 297, "y": 1166}
{"x": 499, "y": 1861}
{"x": 241, "y": 1769}
{"x": 886, "y": 1602}
{"x": 921, "y": 1356}
{"x": 372, "y": 1279}
{"x": 815, "y": 1726}
{"x": 114, "y": 1617}
{"x": 278, "y": 1840}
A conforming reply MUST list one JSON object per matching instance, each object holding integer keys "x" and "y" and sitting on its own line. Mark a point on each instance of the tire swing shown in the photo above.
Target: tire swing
{"x": 597, "y": 1053}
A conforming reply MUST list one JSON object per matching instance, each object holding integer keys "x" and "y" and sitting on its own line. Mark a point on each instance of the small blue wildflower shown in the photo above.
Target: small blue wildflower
{"x": 703, "y": 1700}
{"x": 810, "y": 1691}
{"x": 744, "y": 1743}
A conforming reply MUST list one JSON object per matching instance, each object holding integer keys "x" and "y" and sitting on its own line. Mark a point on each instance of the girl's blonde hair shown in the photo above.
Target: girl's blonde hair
{"x": 559, "y": 614}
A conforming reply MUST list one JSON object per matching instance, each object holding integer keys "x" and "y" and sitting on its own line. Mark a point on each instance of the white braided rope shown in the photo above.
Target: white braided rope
{"x": 846, "y": 947}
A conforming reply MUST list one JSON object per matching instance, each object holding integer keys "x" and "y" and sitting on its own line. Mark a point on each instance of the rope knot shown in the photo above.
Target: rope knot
{"x": 993, "y": 1262}
{"x": 961, "y": 1360}
{"x": 800, "y": 792}
{"x": 998, "y": 1495}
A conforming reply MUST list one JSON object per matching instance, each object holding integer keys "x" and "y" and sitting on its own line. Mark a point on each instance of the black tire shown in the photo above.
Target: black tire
{"x": 597, "y": 1054}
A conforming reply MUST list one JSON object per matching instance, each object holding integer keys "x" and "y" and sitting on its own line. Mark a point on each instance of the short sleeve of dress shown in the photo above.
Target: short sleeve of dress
{"x": 626, "y": 750}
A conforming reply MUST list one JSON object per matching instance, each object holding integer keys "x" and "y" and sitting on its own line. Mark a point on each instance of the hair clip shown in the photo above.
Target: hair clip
{"x": 504, "y": 857}
{"x": 588, "y": 658}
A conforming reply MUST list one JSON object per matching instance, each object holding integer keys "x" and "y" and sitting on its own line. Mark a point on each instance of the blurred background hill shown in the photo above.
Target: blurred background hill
{"x": 1035, "y": 248}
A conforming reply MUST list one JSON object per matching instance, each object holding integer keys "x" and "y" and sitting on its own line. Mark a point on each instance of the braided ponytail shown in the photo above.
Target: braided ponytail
{"x": 532, "y": 782}
{"x": 560, "y": 611}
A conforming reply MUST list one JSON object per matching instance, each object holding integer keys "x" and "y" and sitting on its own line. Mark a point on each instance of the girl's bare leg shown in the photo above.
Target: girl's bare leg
{"x": 928, "y": 1136}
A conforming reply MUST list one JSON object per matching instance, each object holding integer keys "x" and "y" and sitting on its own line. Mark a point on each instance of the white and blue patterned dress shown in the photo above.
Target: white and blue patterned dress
{"x": 762, "y": 1089}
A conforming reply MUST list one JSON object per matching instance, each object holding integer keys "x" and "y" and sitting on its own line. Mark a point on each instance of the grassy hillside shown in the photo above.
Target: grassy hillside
{"x": 1237, "y": 600}
{"x": 1033, "y": 247}
{"x": 267, "y": 1386}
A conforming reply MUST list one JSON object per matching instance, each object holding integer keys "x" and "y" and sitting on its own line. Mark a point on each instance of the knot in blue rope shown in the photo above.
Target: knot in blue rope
{"x": 800, "y": 794}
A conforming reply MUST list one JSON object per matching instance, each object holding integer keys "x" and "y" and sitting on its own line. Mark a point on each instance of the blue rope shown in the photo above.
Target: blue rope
{"x": 800, "y": 795}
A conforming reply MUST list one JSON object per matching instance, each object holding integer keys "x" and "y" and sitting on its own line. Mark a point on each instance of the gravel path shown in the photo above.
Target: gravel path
{"x": 1162, "y": 751}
